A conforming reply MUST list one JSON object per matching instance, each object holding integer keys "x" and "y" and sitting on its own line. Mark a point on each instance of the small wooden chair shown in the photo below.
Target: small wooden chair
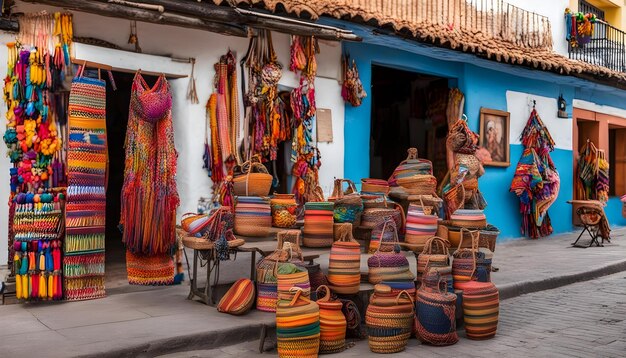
{"x": 591, "y": 218}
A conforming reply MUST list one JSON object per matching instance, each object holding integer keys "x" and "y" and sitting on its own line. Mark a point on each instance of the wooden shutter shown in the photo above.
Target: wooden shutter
{"x": 620, "y": 162}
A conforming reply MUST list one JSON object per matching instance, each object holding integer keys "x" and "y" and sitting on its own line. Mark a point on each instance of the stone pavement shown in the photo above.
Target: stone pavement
{"x": 160, "y": 320}
{"x": 586, "y": 319}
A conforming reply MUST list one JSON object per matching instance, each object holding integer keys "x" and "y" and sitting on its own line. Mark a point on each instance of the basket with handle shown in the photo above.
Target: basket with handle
{"x": 421, "y": 224}
{"x": 254, "y": 179}
{"x": 410, "y": 166}
{"x": 388, "y": 265}
{"x": 434, "y": 254}
{"x": 464, "y": 260}
{"x": 344, "y": 266}
{"x": 389, "y": 322}
{"x": 436, "y": 311}
{"x": 348, "y": 204}
{"x": 298, "y": 326}
{"x": 332, "y": 323}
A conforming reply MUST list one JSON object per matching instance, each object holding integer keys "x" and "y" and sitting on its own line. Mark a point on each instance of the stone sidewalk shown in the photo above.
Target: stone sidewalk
{"x": 161, "y": 320}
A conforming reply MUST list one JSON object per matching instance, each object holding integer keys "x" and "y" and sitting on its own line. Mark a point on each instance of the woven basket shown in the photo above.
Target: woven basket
{"x": 420, "y": 224}
{"x": 318, "y": 224}
{"x": 332, "y": 324}
{"x": 389, "y": 325}
{"x": 412, "y": 165}
{"x": 254, "y": 180}
{"x": 344, "y": 266}
{"x": 284, "y": 208}
{"x": 267, "y": 283}
{"x": 469, "y": 218}
{"x": 291, "y": 276}
{"x": 488, "y": 237}
{"x": 434, "y": 254}
{"x": 375, "y": 216}
{"x": 370, "y": 185}
{"x": 388, "y": 265}
{"x": 419, "y": 184}
{"x": 239, "y": 298}
{"x": 298, "y": 326}
{"x": 253, "y": 216}
{"x": 436, "y": 313}
{"x": 481, "y": 307}
{"x": 464, "y": 261}
{"x": 373, "y": 200}
{"x": 348, "y": 204}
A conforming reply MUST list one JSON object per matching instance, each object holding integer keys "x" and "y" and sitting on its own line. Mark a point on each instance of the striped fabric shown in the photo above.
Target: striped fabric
{"x": 419, "y": 226}
{"x": 481, "y": 307}
{"x": 239, "y": 298}
{"x": 344, "y": 267}
{"x": 253, "y": 216}
{"x": 318, "y": 224}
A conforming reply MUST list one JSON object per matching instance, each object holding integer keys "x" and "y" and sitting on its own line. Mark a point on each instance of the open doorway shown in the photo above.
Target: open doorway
{"x": 408, "y": 110}
{"x": 117, "y": 106}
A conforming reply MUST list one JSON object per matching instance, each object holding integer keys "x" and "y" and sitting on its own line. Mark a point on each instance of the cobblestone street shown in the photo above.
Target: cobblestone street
{"x": 585, "y": 319}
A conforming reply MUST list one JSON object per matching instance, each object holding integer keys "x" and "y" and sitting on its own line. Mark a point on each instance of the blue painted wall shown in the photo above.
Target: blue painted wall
{"x": 482, "y": 87}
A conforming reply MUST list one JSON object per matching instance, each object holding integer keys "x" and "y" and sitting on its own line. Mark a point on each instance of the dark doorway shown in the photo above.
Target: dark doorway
{"x": 117, "y": 106}
{"x": 408, "y": 110}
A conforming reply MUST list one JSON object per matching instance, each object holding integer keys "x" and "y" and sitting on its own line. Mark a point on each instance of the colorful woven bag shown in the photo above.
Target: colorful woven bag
{"x": 464, "y": 260}
{"x": 374, "y": 200}
{"x": 253, "y": 216}
{"x": 348, "y": 204}
{"x": 378, "y": 186}
{"x": 194, "y": 223}
{"x": 412, "y": 165}
{"x": 436, "y": 312}
{"x": 253, "y": 179}
{"x": 284, "y": 208}
{"x": 318, "y": 224}
{"x": 332, "y": 324}
{"x": 238, "y": 299}
{"x": 290, "y": 276}
{"x": 267, "y": 283}
{"x": 389, "y": 319}
{"x": 344, "y": 266}
{"x": 469, "y": 218}
{"x": 421, "y": 224}
{"x": 298, "y": 326}
{"x": 481, "y": 307}
{"x": 434, "y": 254}
{"x": 389, "y": 265}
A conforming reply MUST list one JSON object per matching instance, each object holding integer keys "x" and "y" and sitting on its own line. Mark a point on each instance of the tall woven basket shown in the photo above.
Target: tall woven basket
{"x": 481, "y": 307}
{"x": 298, "y": 326}
{"x": 421, "y": 223}
{"x": 318, "y": 224}
{"x": 253, "y": 216}
{"x": 389, "y": 320}
{"x": 344, "y": 266}
{"x": 436, "y": 312}
{"x": 332, "y": 323}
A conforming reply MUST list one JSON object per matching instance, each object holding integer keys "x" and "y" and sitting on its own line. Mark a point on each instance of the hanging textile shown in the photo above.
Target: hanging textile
{"x": 536, "y": 181}
{"x": 592, "y": 174}
{"x": 83, "y": 260}
{"x": 149, "y": 195}
{"x": 352, "y": 90}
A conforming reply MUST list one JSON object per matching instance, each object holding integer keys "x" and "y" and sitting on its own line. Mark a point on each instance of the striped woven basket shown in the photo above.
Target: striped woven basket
{"x": 420, "y": 224}
{"x": 469, "y": 218}
{"x": 290, "y": 276}
{"x": 298, "y": 326}
{"x": 253, "y": 216}
{"x": 464, "y": 260}
{"x": 419, "y": 184}
{"x": 481, "y": 307}
{"x": 332, "y": 323}
{"x": 239, "y": 298}
{"x": 254, "y": 180}
{"x": 370, "y": 185}
{"x": 412, "y": 165}
{"x": 436, "y": 312}
{"x": 348, "y": 205}
{"x": 344, "y": 266}
{"x": 389, "y": 265}
{"x": 434, "y": 254}
{"x": 389, "y": 322}
{"x": 318, "y": 224}
{"x": 267, "y": 283}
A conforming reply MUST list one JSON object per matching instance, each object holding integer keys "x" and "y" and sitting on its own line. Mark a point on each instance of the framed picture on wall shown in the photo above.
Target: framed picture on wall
{"x": 494, "y": 136}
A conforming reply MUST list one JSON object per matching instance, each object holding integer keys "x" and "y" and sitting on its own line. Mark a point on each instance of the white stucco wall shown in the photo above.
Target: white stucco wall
{"x": 189, "y": 119}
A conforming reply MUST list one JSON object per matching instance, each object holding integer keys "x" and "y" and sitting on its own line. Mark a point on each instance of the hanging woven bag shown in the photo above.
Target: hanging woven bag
{"x": 284, "y": 208}
{"x": 481, "y": 307}
{"x": 238, "y": 299}
{"x": 253, "y": 216}
{"x": 253, "y": 180}
{"x": 297, "y": 326}
{"x": 389, "y": 320}
{"x": 412, "y": 165}
{"x": 348, "y": 204}
{"x": 434, "y": 254}
{"x": 389, "y": 265}
{"x": 318, "y": 224}
{"x": 332, "y": 323}
{"x": 436, "y": 312}
{"x": 344, "y": 266}
{"x": 421, "y": 223}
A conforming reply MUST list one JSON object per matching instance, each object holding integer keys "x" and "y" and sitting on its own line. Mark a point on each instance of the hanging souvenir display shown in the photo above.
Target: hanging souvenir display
{"x": 579, "y": 27}
{"x": 86, "y": 194}
{"x": 592, "y": 179}
{"x": 536, "y": 181}
{"x": 34, "y": 135}
{"x": 352, "y": 89}
{"x": 223, "y": 118}
{"x": 149, "y": 195}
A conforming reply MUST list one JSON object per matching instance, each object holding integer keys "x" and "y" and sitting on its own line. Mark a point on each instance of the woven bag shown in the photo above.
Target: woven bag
{"x": 373, "y": 200}
{"x": 253, "y": 216}
{"x": 389, "y": 265}
{"x": 332, "y": 323}
{"x": 469, "y": 218}
{"x": 254, "y": 180}
{"x": 412, "y": 165}
{"x": 298, "y": 326}
{"x": 481, "y": 307}
{"x": 464, "y": 261}
{"x": 421, "y": 224}
{"x": 348, "y": 204}
{"x": 284, "y": 208}
{"x": 318, "y": 224}
{"x": 238, "y": 299}
{"x": 436, "y": 312}
{"x": 389, "y": 320}
{"x": 267, "y": 283}
{"x": 419, "y": 184}
{"x": 344, "y": 266}
{"x": 379, "y": 186}
{"x": 289, "y": 276}
{"x": 377, "y": 218}
{"x": 434, "y": 254}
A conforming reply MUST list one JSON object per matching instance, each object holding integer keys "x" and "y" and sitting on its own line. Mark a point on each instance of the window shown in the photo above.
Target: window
{"x": 617, "y": 161}
{"x": 586, "y": 7}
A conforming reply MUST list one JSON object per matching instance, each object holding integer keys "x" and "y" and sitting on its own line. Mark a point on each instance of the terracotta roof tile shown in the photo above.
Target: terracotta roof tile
{"x": 490, "y": 36}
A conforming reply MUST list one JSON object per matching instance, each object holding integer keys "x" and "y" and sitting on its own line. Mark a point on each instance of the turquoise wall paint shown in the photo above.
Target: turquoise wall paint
{"x": 482, "y": 88}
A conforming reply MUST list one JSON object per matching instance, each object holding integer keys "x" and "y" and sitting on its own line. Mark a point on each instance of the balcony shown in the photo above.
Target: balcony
{"x": 606, "y": 47}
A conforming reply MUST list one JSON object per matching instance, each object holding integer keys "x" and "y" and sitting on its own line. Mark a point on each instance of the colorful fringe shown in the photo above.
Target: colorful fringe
{"x": 85, "y": 217}
{"x": 149, "y": 196}
{"x": 149, "y": 270}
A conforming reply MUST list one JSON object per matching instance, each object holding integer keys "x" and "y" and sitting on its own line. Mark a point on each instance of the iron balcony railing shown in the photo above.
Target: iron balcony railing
{"x": 607, "y": 48}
